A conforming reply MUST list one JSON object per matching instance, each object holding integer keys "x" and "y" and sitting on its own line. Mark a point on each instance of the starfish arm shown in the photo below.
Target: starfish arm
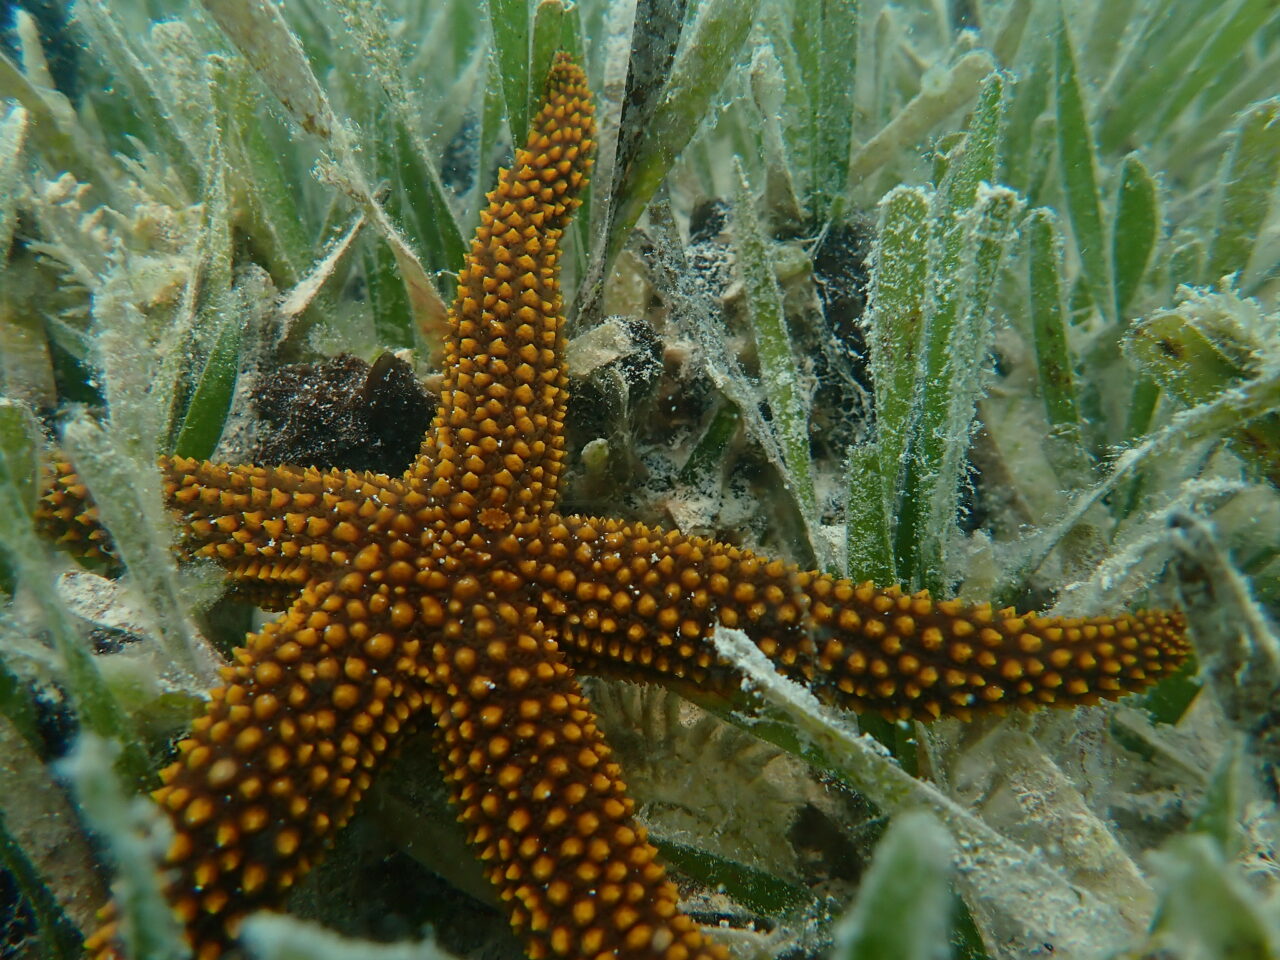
{"x": 272, "y": 528}
{"x": 66, "y": 515}
{"x": 646, "y": 601}
{"x": 283, "y": 753}
{"x": 545, "y": 806}
{"x": 495, "y": 450}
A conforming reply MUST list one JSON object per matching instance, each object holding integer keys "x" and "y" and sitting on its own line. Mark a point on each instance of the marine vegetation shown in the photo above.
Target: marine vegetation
{"x": 877, "y": 326}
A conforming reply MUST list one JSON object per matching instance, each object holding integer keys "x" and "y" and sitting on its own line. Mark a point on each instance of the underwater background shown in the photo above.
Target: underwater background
{"x": 975, "y": 297}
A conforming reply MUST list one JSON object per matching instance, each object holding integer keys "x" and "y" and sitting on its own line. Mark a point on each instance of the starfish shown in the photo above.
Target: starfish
{"x": 458, "y": 591}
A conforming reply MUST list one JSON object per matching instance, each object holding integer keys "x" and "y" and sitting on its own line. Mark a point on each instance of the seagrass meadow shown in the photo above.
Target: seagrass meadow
{"x": 973, "y": 298}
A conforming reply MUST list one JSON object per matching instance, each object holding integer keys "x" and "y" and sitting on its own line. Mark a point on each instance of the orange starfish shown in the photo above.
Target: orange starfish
{"x": 459, "y": 588}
